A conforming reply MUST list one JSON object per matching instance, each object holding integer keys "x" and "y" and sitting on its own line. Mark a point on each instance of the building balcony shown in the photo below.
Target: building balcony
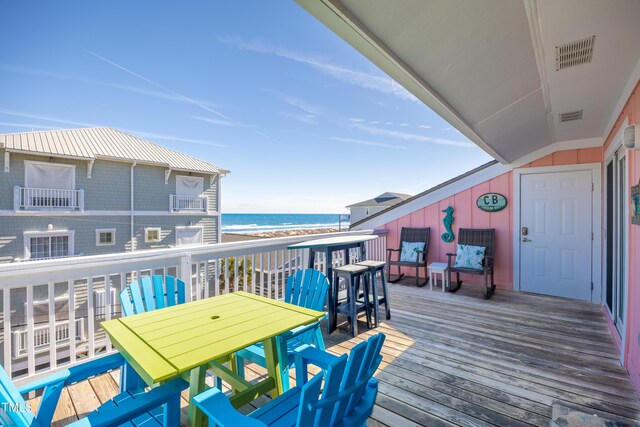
{"x": 183, "y": 203}
{"x": 448, "y": 359}
{"x": 48, "y": 199}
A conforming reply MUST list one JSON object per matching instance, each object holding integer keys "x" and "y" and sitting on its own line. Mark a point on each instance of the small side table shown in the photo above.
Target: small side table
{"x": 436, "y": 268}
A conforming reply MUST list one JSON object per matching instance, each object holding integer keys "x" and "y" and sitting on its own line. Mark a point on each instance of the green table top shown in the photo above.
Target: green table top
{"x": 165, "y": 343}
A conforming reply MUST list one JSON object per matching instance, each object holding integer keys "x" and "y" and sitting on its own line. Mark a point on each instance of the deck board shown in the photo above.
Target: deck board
{"x": 460, "y": 360}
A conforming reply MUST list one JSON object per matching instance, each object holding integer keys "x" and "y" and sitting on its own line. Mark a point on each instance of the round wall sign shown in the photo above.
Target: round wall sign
{"x": 491, "y": 202}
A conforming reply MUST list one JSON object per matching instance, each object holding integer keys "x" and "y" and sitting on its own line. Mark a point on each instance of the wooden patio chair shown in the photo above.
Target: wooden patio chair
{"x": 484, "y": 237}
{"x": 158, "y": 406}
{"x": 346, "y": 399}
{"x": 306, "y": 288}
{"x": 150, "y": 293}
{"x": 412, "y": 256}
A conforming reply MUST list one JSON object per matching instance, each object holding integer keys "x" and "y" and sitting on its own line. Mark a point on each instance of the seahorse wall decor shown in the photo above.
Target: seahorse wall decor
{"x": 447, "y": 221}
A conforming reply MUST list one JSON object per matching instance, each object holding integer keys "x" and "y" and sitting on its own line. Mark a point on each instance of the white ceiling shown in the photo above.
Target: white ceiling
{"x": 488, "y": 66}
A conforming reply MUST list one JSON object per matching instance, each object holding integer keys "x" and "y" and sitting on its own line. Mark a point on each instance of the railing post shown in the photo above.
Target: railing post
{"x": 184, "y": 272}
{"x": 171, "y": 202}
{"x": 16, "y": 198}
{"x": 81, "y": 200}
{"x": 206, "y": 204}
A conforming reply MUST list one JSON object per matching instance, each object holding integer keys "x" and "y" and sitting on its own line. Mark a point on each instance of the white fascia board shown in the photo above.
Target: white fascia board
{"x": 335, "y": 16}
{"x": 575, "y": 144}
{"x": 435, "y": 196}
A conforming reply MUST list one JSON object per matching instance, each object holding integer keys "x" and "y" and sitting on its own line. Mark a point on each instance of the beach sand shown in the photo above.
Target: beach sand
{"x": 235, "y": 237}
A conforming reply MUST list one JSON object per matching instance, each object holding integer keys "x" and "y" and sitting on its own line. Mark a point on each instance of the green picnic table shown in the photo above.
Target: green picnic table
{"x": 187, "y": 339}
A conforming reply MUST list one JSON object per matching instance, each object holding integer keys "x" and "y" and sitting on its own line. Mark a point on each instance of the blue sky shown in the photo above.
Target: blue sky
{"x": 304, "y": 122}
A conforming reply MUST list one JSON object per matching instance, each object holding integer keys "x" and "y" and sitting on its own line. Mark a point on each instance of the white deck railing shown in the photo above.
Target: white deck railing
{"x": 25, "y": 199}
{"x": 64, "y": 300}
{"x": 181, "y": 203}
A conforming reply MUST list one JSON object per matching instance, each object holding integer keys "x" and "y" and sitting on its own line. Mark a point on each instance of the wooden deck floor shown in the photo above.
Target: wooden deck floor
{"x": 456, "y": 359}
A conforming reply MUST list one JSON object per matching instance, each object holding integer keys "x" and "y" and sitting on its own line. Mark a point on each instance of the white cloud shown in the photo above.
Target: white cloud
{"x": 356, "y": 120}
{"x": 26, "y": 125}
{"x": 301, "y": 104}
{"x": 424, "y": 126}
{"x": 404, "y": 124}
{"x": 214, "y": 121}
{"x": 48, "y": 119}
{"x": 162, "y": 136}
{"x": 304, "y": 118}
{"x": 369, "y": 143}
{"x": 381, "y": 84}
{"x": 141, "y": 134}
{"x": 133, "y": 89}
{"x": 409, "y": 136}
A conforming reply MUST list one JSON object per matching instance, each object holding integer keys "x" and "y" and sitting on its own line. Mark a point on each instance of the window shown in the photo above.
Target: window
{"x": 188, "y": 236}
{"x": 48, "y": 244}
{"x": 105, "y": 236}
{"x": 152, "y": 234}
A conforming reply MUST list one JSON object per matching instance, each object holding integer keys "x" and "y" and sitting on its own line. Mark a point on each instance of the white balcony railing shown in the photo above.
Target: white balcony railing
{"x": 42, "y": 338}
{"x": 68, "y": 298}
{"x": 181, "y": 203}
{"x": 47, "y": 199}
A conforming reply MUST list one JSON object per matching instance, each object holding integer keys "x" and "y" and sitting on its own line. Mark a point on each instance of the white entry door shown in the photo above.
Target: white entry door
{"x": 556, "y": 234}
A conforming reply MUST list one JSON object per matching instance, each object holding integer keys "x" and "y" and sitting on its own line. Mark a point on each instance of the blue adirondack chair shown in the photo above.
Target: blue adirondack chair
{"x": 306, "y": 288}
{"x": 143, "y": 407}
{"x": 151, "y": 293}
{"x": 346, "y": 399}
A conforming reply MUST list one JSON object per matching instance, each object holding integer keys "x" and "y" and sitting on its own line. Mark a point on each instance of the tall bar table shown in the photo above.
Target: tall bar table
{"x": 328, "y": 246}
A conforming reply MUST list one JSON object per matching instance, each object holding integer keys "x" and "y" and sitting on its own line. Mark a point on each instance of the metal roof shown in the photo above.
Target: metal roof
{"x": 385, "y": 199}
{"x": 103, "y": 143}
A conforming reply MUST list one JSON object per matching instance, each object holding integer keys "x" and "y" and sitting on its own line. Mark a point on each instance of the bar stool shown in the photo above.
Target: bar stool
{"x": 375, "y": 267}
{"x": 352, "y": 306}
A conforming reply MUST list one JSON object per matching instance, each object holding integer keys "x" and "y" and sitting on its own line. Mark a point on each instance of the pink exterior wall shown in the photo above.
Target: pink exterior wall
{"x": 467, "y": 215}
{"x": 631, "y": 111}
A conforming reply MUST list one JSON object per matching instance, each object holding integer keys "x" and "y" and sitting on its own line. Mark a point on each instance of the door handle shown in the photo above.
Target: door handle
{"x": 524, "y": 239}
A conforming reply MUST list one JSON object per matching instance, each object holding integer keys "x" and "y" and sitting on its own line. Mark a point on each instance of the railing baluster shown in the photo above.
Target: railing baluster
{"x": 235, "y": 273}
{"x": 226, "y": 275}
{"x": 261, "y": 273}
{"x": 6, "y": 321}
{"x": 91, "y": 316}
{"x": 206, "y": 279}
{"x": 217, "y": 277}
{"x": 253, "y": 274}
{"x": 53, "y": 357}
{"x": 108, "y": 306}
{"x": 31, "y": 357}
{"x": 244, "y": 273}
{"x": 72, "y": 322}
{"x": 269, "y": 295}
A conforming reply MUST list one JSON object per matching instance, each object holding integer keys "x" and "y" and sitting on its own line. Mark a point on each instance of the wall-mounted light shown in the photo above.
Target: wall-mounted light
{"x": 50, "y": 227}
{"x": 631, "y": 137}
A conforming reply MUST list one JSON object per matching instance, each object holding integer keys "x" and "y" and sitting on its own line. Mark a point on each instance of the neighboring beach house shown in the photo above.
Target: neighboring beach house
{"x": 363, "y": 209}
{"x": 92, "y": 191}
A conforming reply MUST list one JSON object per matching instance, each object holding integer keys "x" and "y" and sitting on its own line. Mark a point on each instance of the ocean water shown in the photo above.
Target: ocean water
{"x": 257, "y": 223}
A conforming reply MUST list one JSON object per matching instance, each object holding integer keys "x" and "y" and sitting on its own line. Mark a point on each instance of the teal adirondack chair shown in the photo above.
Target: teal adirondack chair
{"x": 346, "y": 399}
{"x": 151, "y": 293}
{"x": 306, "y": 288}
{"x": 160, "y": 406}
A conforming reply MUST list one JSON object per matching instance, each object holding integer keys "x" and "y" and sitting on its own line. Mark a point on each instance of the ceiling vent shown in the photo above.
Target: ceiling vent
{"x": 570, "y": 116}
{"x": 574, "y": 53}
